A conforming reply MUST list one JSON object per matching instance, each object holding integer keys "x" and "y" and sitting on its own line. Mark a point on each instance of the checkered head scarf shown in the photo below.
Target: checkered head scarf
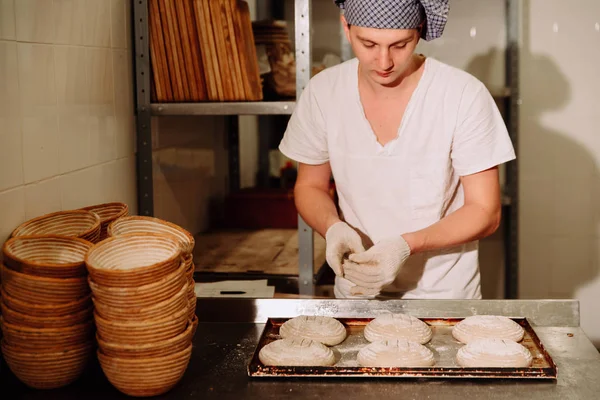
{"x": 398, "y": 14}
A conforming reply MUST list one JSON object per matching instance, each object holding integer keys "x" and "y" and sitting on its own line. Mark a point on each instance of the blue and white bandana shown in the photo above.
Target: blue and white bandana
{"x": 398, "y": 14}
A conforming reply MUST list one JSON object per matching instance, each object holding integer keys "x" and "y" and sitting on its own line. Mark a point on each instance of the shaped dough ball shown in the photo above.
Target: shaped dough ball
{"x": 397, "y": 326}
{"x": 492, "y": 352}
{"x": 487, "y": 326}
{"x": 296, "y": 352}
{"x": 395, "y": 353}
{"x": 326, "y": 330}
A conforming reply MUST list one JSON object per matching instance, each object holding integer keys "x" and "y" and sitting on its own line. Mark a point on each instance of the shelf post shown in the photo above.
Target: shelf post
{"x": 141, "y": 45}
{"x": 511, "y": 234}
{"x": 302, "y": 17}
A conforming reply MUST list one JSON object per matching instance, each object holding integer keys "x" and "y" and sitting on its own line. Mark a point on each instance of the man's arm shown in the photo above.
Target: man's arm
{"x": 311, "y": 194}
{"x": 477, "y": 218}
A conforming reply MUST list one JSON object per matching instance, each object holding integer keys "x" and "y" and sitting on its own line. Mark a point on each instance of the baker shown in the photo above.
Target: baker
{"x": 413, "y": 146}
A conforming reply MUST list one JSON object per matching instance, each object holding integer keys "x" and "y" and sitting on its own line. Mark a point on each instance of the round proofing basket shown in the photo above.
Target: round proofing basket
{"x": 162, "y": 348}
{"x": 141, "y": 296}
{"x": 47, "y": 370}
{"x": 50, "y": 256}
{"x": 156, "y": 311}
{"x": 133, "y": 260}
{"x": 63, "y": 321}
{"x": 138, "y": 224}
{"x": 141, "y": 331}
{"x": 189, "y": 265}
{"x": 42, "y": 310}
{"x": 73, "y": 223}
{"x": 47, "y": 339}
{"x": 143, "y": 376}
{"x": 42, "y": 290}
{"x": 108, "y": 212}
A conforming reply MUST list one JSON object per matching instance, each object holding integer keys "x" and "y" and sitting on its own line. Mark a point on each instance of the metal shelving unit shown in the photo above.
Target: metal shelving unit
{"x": 303, "y": 12}
{"x": 145, "y": 110}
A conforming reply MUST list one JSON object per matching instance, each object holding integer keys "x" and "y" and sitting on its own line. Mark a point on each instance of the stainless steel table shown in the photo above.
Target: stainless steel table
{"x": 229, "y": 330}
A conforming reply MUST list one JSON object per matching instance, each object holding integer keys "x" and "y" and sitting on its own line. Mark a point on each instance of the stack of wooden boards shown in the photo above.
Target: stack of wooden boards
{"x": 203, "y": 50}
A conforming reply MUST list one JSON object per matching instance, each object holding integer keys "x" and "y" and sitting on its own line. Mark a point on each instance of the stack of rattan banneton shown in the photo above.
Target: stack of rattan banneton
{"x": 141, "y": 280}
{"x": 47, "y": 313}
{"x": 142, "y": 225}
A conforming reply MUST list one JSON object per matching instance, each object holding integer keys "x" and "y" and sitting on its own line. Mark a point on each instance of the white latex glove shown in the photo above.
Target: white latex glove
{"x": 344, "y": 289}
{"x": 341, "y": 241}
{"x": 378, "y": 266}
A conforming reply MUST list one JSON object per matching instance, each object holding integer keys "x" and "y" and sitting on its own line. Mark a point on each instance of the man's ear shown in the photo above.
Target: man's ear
{"x": 346, "y": 27}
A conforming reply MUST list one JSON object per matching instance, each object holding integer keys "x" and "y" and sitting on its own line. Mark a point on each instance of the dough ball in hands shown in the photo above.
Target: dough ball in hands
{"x": 326, "y": 330}
{"x": 397, "y": 326}
{"x": 297, "y": 353}
{"x": 395, "y": 353}
{"x": 487, "y": 326}
{"x": 492, "y": 352}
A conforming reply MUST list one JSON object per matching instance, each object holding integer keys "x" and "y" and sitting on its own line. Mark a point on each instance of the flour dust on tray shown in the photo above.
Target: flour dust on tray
{"x": 326, "y": 330}
{"x": 487, "y": 326}
{"x": 492, "y": 352}
{"x": 395, "y": 353}
{"x": 296, "y": 352}
{"x": 397, "y": 326}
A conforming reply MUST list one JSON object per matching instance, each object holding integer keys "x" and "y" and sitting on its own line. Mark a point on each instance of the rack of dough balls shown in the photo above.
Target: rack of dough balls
{"x": 401, "y": 346}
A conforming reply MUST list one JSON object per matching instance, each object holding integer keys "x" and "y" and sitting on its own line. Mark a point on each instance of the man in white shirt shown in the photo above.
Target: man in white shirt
{"x": 414, "y": 147}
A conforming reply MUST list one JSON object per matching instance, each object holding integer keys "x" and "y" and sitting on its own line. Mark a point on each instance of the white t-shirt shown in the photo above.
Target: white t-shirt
{"x": 451, "y": 127}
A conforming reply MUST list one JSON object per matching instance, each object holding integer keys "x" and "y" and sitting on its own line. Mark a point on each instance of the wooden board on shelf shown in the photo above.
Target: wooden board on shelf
{"x": 265, "y": 251}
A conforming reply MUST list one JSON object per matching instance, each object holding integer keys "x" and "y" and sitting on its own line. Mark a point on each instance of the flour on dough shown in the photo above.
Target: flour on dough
{"x": 492, "y": 352}
{"x": 296, "y": 352}
{"x": 395, "y": 353}
{"x": 487, "y": 326}
{"x": 397, "y": 326}
{"x": 326, "y": 330}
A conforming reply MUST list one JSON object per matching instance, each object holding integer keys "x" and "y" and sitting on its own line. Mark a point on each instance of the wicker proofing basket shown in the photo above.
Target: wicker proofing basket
{"x": 42, "y": 290}
{"x": 47, "y": 370}
{"x": 108, "y": 212}
{"x": 133, "y": 260}
{"x": 51, "y": 309}
{"x": 156, "y": 311}
{"x": 47, "y": 339}
{"x": 140, "y": 296}
{"x": 141, "y": 331}
{"x": 161, "y": 348}
{"x": 137, "y": 224}
{"x": 145, "y": 376}
{"x": 73, "y": 223}
{"x": 50, "y": 256}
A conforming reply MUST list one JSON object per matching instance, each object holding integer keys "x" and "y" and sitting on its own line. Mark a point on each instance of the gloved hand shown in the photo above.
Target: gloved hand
{"x": 341, "y": 241}
{"x": 344, "y": 289}
{"x": 378, "y": 266}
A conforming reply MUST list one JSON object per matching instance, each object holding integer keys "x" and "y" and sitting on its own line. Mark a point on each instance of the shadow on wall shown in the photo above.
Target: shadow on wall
{"x": 559, "y": 188}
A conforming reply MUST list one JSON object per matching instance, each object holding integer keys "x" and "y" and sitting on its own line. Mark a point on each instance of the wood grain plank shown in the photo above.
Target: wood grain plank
{"x": 163, "y": 67}
{"x": 238, "y": 78}
{"x": 181, "y": 24}
{"x": 249, "y": 51}
{"x": 177, "y": 45}
{"x": 195, "y": 48}
{"x": 209, "y": 51}
{"x": 170, "y": 52}
{"x": 221, "y": 48}
{"x": 158, "y": 86}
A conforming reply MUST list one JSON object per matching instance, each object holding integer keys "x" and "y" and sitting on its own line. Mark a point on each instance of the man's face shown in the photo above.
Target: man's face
{"x": 384, "y": 54}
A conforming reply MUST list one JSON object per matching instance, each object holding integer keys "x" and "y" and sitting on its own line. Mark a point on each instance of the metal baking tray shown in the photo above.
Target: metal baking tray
{"x": 442, "y": 344}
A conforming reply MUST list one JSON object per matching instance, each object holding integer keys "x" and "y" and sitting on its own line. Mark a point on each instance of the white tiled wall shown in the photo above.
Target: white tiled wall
{"x": 560, "y": 154}
{"x": 66, "y": 112}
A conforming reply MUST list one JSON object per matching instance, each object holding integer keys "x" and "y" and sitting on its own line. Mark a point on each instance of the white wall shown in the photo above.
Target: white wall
{"x": 66, "y": 108}
{"x": 559, "y": 153}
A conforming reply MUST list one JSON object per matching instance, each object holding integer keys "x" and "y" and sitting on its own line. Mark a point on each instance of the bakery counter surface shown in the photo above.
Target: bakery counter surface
{"x": 230, "y": 329}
